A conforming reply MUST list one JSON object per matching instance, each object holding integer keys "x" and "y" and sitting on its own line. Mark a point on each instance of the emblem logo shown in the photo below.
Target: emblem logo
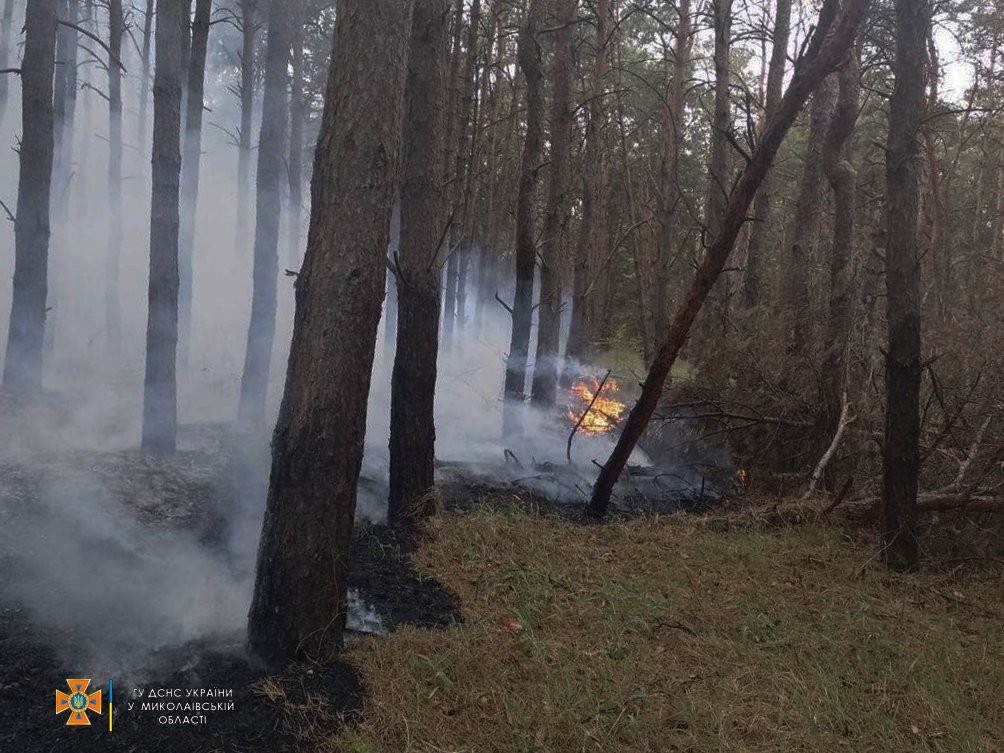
{"x": 78, "y": 702}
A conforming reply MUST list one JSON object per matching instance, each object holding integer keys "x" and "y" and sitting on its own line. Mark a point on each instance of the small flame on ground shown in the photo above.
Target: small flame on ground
{"x": 606, "y": 410}
{"x": 744, "y": 478}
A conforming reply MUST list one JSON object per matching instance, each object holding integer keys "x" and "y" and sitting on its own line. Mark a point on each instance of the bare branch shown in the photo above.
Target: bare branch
{"x": 96, "y": 38}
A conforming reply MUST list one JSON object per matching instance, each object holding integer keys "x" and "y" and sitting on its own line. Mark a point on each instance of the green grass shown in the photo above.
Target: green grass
{"x": 674, "y": 635}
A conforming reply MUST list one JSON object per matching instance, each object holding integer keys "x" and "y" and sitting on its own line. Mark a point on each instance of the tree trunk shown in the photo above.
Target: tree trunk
{"x": 451, "y": 152}
{"x": 413, "y": 383}
{"x": 299, "y": 603}
{"x": 64, "y": 111}
{"x": 297, "y": 122}
{"x": 526, "y": 249}
{"x": 261, "y": 329}
{"x": 22, "y": 374}
{"x": 545, "y": 370}
{"x": 114, "y": 250}
{"x": 808, "y": 218}
{"x": 247, "y": 8}
{"x": 901, "y": 455}
{"x": 592, "y": 239}
{"x": 144, "y": 91}
{"x": 841, "y": 175}
{"x": 6, "y": 23}
{"x": 160, "y": 393}
{"x": 761, "y": 231}
{"x": 719, "y": 183}
{"x": 191, "y": 159}
{"x": 670, "y": 197}
{"x": 824, "y": 51}
{"x": 490, "y": 243}
{"x": 458, "y": 184}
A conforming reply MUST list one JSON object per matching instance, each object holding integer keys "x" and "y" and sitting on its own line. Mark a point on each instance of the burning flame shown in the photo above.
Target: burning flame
{"x": 744, "y": 478}
{"x": 606, "y": 409}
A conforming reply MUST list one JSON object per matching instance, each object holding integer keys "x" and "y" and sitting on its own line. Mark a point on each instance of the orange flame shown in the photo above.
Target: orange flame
{"x": 606, "y": 410}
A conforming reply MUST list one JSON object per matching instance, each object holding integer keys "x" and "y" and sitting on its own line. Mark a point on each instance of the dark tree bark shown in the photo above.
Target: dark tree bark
{"x": 545, "y": 369}
{"x": 261, "y": 329}
{"x": 6, "y": 23}
{"x": 114, "y": 251}
{"x": 297, "y": 122}
{"x": 191, "y": 159}
{"x": 144, "y": 91}
{"x": 530, "y": 62}
{"x": 901, "y": 455}
{"x": 160, "y": 393}
{"x": 808, "y": 218}
{"x": 761, "y": 229}
{"x": 593, "y": 237}
{"x": 841, "y": 175}
{"x": 22, "y": 373}
{"x": 247, "y": 9}
{"x": 833, "y": 36}
{"x": 299, "y": 602}
{"x": 413, "y": 382}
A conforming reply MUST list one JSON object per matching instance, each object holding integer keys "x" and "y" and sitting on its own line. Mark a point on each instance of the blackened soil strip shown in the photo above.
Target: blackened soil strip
{"x": 383, "y": 573}
{"x": 270, "y": 714}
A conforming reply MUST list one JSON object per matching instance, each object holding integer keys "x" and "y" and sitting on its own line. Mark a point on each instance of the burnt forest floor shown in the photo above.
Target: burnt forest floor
{"x": 114, "y": 525}
{"x": 507, "y": 625}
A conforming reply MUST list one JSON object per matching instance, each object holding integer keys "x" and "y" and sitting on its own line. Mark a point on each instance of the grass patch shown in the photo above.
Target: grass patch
{"x": 668, "y": 635}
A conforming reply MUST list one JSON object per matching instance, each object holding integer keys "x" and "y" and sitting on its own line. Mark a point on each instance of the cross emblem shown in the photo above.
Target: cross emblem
{"x": 78, "y": 702}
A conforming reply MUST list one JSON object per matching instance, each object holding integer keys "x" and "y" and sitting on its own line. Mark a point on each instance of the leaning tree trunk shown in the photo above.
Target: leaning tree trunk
{"x": 526, "y": 249}
{"x": 413, "y": 382}
{"x": 6, "y": 23}
{"x": 761, "y": 228}
{"x": 261, "y": 329}
{"x": 22, "y": 372}
{"x": 841, "y": 175}
{"x": 113, "y": 325}
{"x": 833, "y": 36}
{"x": 595, "y": 201}
{"x": 299, "y": 603}
{"x": 160, "y": 393}
{"x": 190, "y": 163}
{"x": 247, "y": 8}
{"x": 545, "y": 369}
{"x": 901, "y": 452}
